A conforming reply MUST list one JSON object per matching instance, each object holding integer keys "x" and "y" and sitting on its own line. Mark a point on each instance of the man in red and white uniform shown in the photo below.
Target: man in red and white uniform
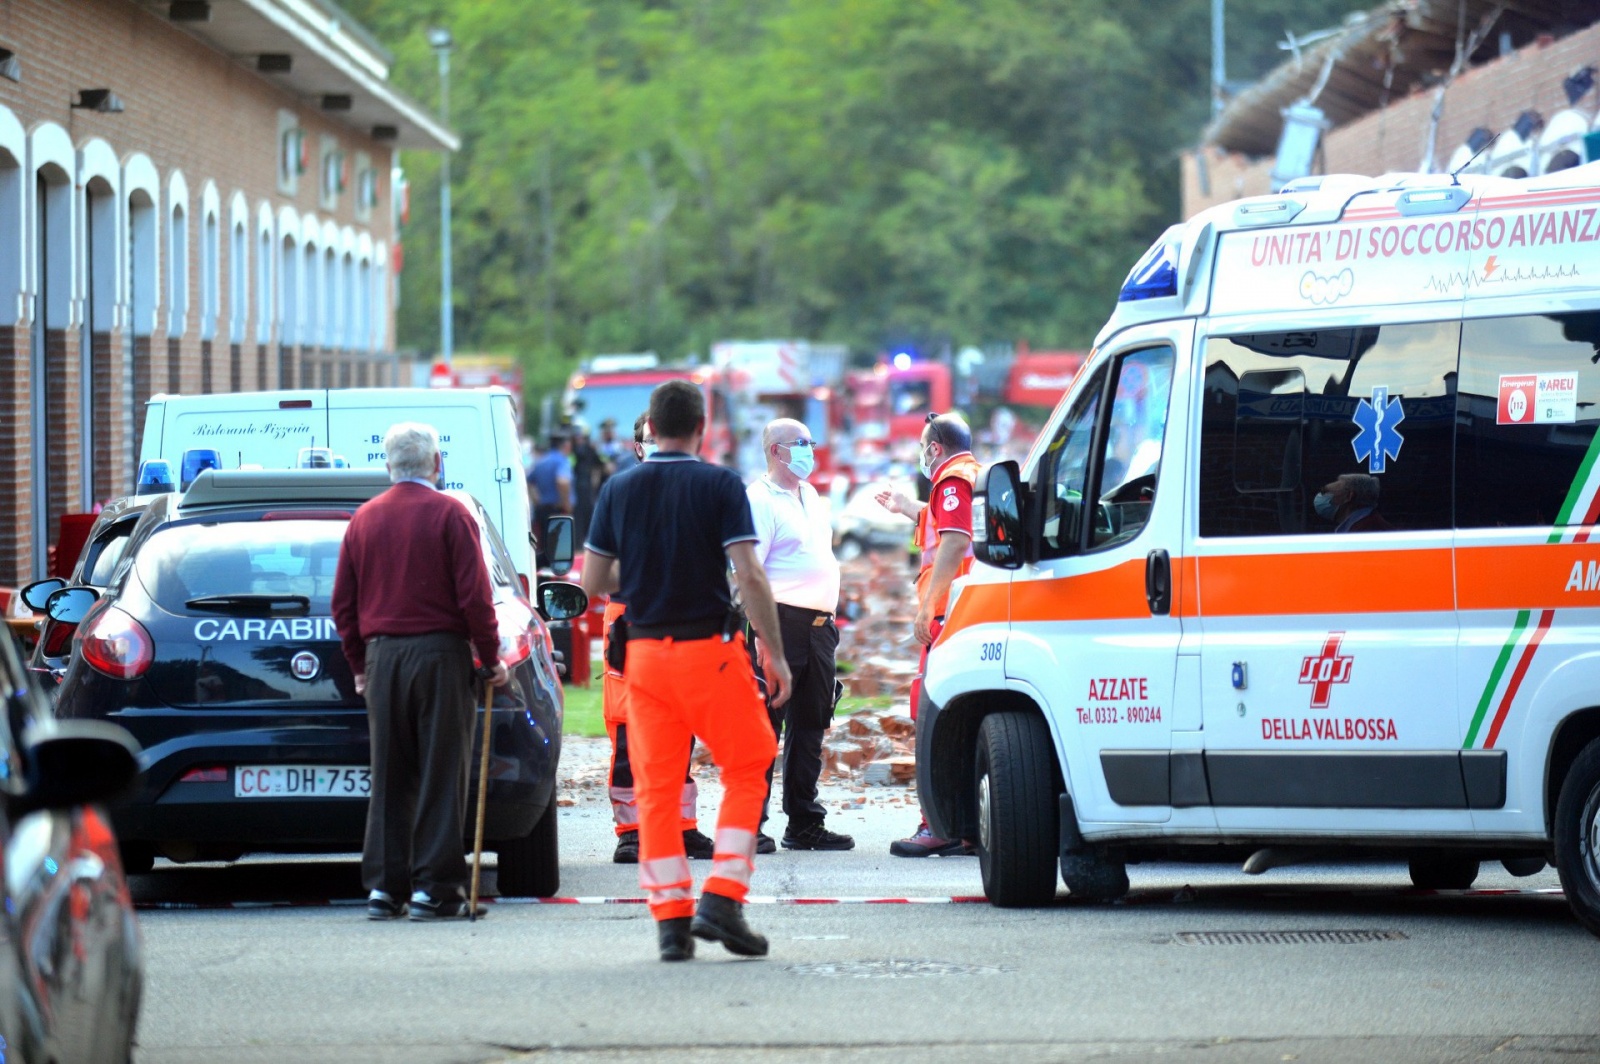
{"x": 944, "y": 536}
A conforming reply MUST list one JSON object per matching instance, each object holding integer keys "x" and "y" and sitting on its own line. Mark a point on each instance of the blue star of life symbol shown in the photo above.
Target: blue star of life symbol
{"x": 1379, "y": 438}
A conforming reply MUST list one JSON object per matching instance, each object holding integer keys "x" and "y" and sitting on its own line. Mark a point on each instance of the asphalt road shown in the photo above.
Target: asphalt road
{"x": 235, "y": 972}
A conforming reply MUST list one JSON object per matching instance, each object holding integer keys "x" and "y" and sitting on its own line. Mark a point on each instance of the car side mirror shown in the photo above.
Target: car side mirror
{"x": 562, "y": 601}
{"x": 36, "y": 594}
{"x": 559, "y": 534}
{"x": 75, "y": 762}
{"x": 997, "y": 517}
{"x": 70, "y": 604}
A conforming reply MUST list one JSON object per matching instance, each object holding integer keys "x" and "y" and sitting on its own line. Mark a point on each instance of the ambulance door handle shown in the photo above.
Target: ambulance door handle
{"x": 1158, "y": 582}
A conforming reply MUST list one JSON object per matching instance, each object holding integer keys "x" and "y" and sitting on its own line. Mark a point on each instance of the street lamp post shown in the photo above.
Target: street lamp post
{"x": 440, "y": 39}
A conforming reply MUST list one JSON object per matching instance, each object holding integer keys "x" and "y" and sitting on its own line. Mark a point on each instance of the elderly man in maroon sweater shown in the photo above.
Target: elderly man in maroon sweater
{"x": 411, "y": 599}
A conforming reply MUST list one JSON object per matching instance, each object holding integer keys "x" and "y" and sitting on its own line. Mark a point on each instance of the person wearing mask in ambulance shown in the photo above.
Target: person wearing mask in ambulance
{"x": 794, "y": 543}
{"x": 944, "y": 538}
{"x": 1350, "y": 501}
{"x": 614, "y": 708}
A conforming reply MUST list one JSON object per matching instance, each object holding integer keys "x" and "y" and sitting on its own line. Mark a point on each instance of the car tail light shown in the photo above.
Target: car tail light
{"x": 516, "y": 646}
{"x": 118, "y": 645}
{"x": 209, "y": 774}
{"x": 523, "y": 577}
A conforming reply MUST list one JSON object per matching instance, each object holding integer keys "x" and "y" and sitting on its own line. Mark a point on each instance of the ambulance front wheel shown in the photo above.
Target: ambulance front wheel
{"x": 530, "y": 867}
{"x": 1018, "y": 836}
{"x": 1577, "y": 830}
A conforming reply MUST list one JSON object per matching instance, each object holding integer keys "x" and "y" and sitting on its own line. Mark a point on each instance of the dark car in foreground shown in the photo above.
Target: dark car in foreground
{"x": 70, "y": 967}
{"x": 214, "y": 645}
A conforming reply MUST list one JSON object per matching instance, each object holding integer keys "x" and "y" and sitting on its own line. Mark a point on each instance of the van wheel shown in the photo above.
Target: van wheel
{"x": 1018, "y": 837}
{"x": 1093, "y": 876}
{"x": 1577, "y": 829}
{"x": 1443, "y": 872}
{"x": 530, "y": 867}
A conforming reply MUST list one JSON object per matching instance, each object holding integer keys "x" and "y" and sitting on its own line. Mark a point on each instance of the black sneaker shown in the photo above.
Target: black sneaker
{"x": 816, "y": 837}
{"x": 425, "y": 906}
{"x": 721, "y": 919}
{"x": 765, "y": 843}
{"x": 627, "y": 851}
{"x": 697, "y": 846}
{"x": 382, "y": 906}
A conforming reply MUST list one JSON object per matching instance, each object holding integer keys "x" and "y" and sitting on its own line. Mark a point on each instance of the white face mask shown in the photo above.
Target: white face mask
{"x": 802, "y": 460}
{"x": 1324, "y": 505}
{"x": 648, "y": 448}
{"x": 925, "y": 463}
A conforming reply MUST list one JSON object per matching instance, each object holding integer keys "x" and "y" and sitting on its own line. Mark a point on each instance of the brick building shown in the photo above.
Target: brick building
{"x": 194, "y": 197}
{"x": 1419, "y": 85}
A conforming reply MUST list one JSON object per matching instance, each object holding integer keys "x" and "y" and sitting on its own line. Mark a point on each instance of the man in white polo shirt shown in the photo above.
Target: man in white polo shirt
{"x": 794, "y": 543}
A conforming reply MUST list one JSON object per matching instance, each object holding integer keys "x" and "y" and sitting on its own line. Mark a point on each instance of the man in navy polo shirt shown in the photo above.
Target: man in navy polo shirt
{"x": 661, "y": 539}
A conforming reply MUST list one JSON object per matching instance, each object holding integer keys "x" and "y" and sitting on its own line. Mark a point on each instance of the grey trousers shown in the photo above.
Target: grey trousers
{"x": 419, "y": 710}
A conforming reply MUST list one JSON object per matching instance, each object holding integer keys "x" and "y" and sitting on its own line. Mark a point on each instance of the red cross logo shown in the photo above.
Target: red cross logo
{"x": 1324, "y": 670}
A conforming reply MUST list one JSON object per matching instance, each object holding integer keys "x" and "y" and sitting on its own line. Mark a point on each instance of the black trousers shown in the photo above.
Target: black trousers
{"x": 809, "y": 648}
{"x": 419, "y": 709}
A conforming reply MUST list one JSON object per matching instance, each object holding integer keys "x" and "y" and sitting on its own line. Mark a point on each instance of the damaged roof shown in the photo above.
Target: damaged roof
{"x": 1383, "y": 55}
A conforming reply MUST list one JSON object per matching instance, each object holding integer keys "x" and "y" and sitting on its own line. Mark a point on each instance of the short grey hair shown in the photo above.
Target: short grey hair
{"x": 411, "y": 448}
{"x": 782, "y": 426}
{"x": 950, "y": 431}
{"x": 1364, "y": 489}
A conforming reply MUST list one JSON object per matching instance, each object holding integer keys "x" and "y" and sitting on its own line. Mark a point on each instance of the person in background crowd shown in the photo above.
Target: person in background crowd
{"x": 643, "y": 447}
{"x": 794, "y": 545}
{"x": 663, "y": 536}
{"x": 614, "y": 708}
{"x": 944, "y": 539}
{"x": 411, "y": 600}
{"x": 550, "y": 489}
{"x": 589, "y": 468}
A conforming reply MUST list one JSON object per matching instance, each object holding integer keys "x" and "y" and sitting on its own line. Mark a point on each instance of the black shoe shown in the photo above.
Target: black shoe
{"x": 382, "y": 906}
{"x": 425, "y": 906}
{"x": 816, "y": 837}
{"x": 765, "y": 843}
{"x": 677, "y": 944}
{"x": 627, "y": 851}
{"x": 697, "y": 846}
{"x": 721, "y": 919}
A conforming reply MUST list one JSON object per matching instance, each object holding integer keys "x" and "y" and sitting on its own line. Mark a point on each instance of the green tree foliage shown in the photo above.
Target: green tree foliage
{"x": 663, "y": 173}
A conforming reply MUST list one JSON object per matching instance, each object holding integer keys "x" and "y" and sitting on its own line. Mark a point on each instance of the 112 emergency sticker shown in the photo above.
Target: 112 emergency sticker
{"x": 1537, "y": 399}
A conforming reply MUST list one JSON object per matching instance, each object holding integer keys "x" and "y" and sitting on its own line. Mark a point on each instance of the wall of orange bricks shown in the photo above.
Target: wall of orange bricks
{"x": 192, "y": 109}
{"x": 1395, "y": 138}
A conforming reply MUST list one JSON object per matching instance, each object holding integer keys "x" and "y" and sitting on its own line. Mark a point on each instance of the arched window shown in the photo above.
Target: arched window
{"x": 177, "y": 271}
{"x": 238, "y": 284}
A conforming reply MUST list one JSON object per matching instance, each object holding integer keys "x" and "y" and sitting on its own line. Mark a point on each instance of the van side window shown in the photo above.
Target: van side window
{"x": 1064, "y": 472}
{"x": 1130, "y": 462}
{"x": 1363, "y": 416}
{"x": 1526, "y": 415}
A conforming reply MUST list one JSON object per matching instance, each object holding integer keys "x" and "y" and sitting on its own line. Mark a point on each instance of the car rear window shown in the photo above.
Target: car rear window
{"x": 242, "y": 558}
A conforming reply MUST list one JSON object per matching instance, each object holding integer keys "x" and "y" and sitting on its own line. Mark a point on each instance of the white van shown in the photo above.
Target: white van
{"x": 1305, "y": 565}
{"x": 477, "y": 427}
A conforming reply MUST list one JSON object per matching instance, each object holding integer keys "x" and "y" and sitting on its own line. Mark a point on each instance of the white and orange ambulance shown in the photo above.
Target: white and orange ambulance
{"x": 1305, "y": 564}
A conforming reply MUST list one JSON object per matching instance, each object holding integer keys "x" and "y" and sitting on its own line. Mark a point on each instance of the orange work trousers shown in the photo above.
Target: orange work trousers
{"x": 614, "y": 707}
{"x": 678, "y": 690}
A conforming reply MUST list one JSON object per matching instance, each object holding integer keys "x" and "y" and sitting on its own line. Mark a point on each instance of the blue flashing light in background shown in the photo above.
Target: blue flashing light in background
{"x": 197, "y": 459}
{"x": 1154, "y": 276}
{"x": 902, "y": 360}
{"x": 155, "y": 477}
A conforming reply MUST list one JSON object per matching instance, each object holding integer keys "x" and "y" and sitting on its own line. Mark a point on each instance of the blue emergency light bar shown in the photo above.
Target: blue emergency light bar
{"x": 155, "y": 477}
{"x": 197, "y": 458}
{"x": 1154, "y": 276}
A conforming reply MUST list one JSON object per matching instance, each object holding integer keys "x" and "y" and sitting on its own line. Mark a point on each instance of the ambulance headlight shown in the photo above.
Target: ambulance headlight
{"x": 155, "y": 477}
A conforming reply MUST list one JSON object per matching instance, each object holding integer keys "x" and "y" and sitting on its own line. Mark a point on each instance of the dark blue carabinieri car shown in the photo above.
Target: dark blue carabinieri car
{"x": 214, "y": 645}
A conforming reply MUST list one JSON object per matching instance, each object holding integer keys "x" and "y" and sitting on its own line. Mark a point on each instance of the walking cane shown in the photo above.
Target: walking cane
{"x": 483, "y": 795}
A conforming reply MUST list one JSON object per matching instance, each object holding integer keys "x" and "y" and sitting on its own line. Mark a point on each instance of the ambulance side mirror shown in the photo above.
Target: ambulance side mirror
{"x": 997, "y": 517}
{"x": 558, "y": 533}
